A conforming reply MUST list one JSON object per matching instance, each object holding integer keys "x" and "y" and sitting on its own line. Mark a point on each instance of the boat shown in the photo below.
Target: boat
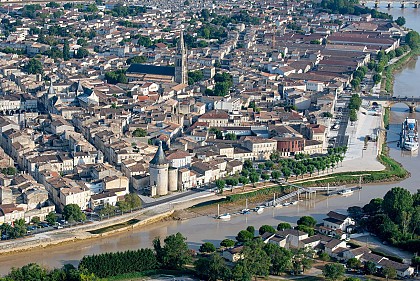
{"x": 346, "y": 192}
{"x": 259, "y": 209}
{"x": 286, "y": 204}
{"x": 409, "y": 135}
{"x": 294, "y": 202}
{"x": 245, "y": 211}
{"x": 226, "y": 216}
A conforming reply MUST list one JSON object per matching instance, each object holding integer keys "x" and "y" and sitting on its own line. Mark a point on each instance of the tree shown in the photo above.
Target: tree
{"x": 240, "y": 272}
{"x": 275, "y": 174}
{"x": 399, "y": 52}
{"x": 51, "y": 218}
{"x": 220, "y": 184}
{"x": 207, "y": 247}
{"x": 376, "y": 78}
{"x": 281, "y": 258}
{"x": 217, "y": 132}
{"x": 19, "y": 228}
{"x": 175, "y": 253}
{"x": 66, "y": 50}
{"x": 123, "y": 206}
{"x": 333, "y": 271}
{"x": 221, "y": 89}
{"x": 230, "y": 136}
{"x": 35, "y": 220}
{"x": 81, "y": 53}
{"x": 227, "y": 243}
{"x": 306, "y": 229}
{"x": 412, "y": 39}
{"x": 243, "y": 180}
{"x": 286, "y": 172}
{"x": 136, "y": 59}
{"x": 265, "y": 176}
{"x": 396, "y": 201}
{"x": 256, "y": 260}
{"x": 388, "y": 272}
{"x": 266, "y": 228}
{"x": 400, "y": 21}
{"x": 117, "y": 76}
{"x": 353, "y": 263}
{"x": 307, "y": 221}
{"x": 244, "y": 236}
{"x": 370, "y": 267}
{"x": 324, "y": 256}
{"x": 373, "y": 207}
{"x": 34, "y": 66}
{"x": 53, "y": 5}
{"x": 107, "y": 210}
{"x": 254, "y": 177}
{"x": 283, "y": 226}
{"x": 133, "y": 200}
{"x": 251, "y": 229}
{"x": 302, "y": 260}
{"x": 144, "y": 41}
{"x": 353, "y": 115}
{"x": 72, "y": 212}
{"x": 212, "y": 268}
{"x": 139, "y": 133}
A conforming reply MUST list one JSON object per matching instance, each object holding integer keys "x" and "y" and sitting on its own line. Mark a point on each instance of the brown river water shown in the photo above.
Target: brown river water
{"x": 207, "y": 229}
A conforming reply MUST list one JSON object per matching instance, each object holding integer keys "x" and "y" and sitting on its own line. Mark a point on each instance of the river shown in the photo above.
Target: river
{"x": 207, "y": 229}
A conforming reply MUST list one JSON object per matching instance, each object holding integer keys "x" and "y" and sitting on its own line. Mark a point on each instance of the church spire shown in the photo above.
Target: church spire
{"x": 51, "y": 90}
{"x": 181, "y": 70}
{"x": 181, "y": 44}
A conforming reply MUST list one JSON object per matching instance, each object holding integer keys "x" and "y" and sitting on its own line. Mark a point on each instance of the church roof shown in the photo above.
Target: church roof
{"x": 159, "y": 158}
{"x": 151, "y": 69}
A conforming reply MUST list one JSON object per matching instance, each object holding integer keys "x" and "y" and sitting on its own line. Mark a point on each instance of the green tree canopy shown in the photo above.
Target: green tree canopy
{"x": 212, "y": 268}
{"x": 353, "y": 263}
{"x": 281, "y": 258}
{"x": 51, "y": 218}
{"x": 207, "y": 247}
{"x": 227, "y": 243}
{"x": 374, "y": 206}
{"x": 136, "y": 59}
{"x": 34, "y": 66}
{"x": 244, "y": 236}
{"x": 72, "y": 212}
{"x": 256, "y": 260}
{"x": 283, "y": 226}
{"x": 333, "y": 271}
{"x": 266, "y": 228}
{"x": 307, "y": 221}
{"x": 175, "y": 253}
{"x": 412, "y": 39}
{"x": 139, "y": 133}
{"x": 397, "y": 201}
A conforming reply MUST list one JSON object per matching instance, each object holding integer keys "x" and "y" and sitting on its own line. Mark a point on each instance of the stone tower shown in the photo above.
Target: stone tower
{"x": 159, "y": 174}
{"x": 181, "y": 71}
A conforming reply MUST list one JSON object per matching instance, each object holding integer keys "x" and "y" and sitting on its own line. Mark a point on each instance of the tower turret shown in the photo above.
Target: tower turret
{"x": 158, "y": 169}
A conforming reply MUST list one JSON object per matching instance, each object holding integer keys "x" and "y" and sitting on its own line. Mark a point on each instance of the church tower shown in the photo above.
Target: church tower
{"x": 181, "y": 71}
{"x": 159, "y": 173}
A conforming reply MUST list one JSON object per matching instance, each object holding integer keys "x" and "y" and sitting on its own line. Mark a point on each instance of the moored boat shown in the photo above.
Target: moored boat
{"x": 226, "y": 216}
{"x": 346, "y": 192}
{"x": 409, "y": 135}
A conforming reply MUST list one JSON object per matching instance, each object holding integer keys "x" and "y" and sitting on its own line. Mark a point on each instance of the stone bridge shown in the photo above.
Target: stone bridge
{"x": 391, "y": 3}
{"x": 411, "y": 103}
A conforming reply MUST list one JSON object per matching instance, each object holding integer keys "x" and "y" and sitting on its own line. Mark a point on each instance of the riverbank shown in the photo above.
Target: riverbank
{"x": 390, "y": 70}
